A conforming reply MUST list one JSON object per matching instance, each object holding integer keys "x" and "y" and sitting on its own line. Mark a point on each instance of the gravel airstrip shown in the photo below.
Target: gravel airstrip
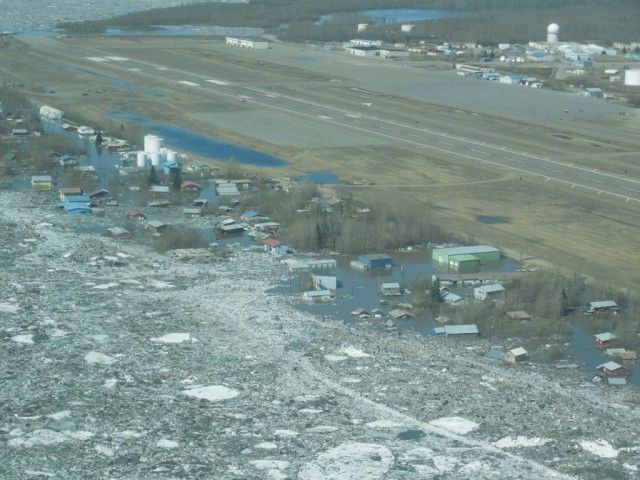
{"x": 120, "y": 362}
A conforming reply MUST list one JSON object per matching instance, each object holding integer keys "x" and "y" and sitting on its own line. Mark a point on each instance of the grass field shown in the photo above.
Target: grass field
{"x": 580, "y": 232}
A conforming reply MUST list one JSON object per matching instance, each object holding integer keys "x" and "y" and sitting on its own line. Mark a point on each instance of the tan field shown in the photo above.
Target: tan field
{"x": 545, "y": 220}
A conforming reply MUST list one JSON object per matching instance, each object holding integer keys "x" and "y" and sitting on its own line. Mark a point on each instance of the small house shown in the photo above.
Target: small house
{"x": 19, "y": 132}
{"x": 256, "y": 235}
{"x": 487, "y": 291}
{"x": 156, "y": 226}
{"x": 628, "y": 356}
{"x": 118, "y": 232}
{"x": 496, "y": 352}
{"x": 275, "y": 247}
{"x": 158, "y": 203}
{"x": 612, "y": 369}
{"x": 200, "y": 202}
{"x": 250, "y": 215}
{"x": 318, "y": 296}
{"x": 230, "y": 229}
{"x": 604, "y": 306}
{"x": 69, "y": 191}
{"x": 450, "y": 298}
{"x": 192, "y": 212}
{"x": 390, "y": 289}
{"x": 190, "y": 186}
{"x": 242, "y": 183}
{"x": 603, "y": 340}
{"x": 268, "y": 227}
{"x": 160, "y": 189}
{"x": 137, "y": 215}
{"x": 324, "y": 282}
{"x": 99, "y": 194}
{"x": 400, "y": 314}
{"x": 41, "y": 182}
{"x": 457, "y": 330}
{"x": 516, "y": 355}
{"x": 170, "y": 168}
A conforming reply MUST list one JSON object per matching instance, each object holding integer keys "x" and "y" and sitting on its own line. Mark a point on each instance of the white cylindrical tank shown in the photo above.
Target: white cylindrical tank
{"x": 152, "y": 143}
{"x": 141, "y": 160}
{"x": 632, "y": 77}
{"x": 155, "y": 158}
{"x": 553, "y": 32}
{"x": 172, "y": 156}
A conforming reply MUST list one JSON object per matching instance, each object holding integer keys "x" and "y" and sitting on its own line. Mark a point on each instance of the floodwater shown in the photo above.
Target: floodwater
{"x": 198, "y": 144}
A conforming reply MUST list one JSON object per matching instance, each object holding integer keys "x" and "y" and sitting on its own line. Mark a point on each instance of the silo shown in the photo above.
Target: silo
{"x": 152, "y": 143}
{"x": 155, "y": 158}
{"x": 632, "y": 77}
{"x": 141, "y": 158}
{"x": 172, "y": 156}
{"x": 553, "y": 32}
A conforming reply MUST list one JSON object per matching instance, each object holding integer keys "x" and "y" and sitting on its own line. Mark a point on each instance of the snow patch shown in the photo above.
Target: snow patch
{"x": 355, "y": 352}
{"x": 364, "y": 461}
{"x": 384, "y": 424}
{"x": 285, "y": 433}
{"x": 9, "y": 308}
{"x": 99, "y": 358}
{"x": 458, "y": 425}
{"x": 601, "y": 448}
{"x": 165, "y": 443}
{"x": 270, "y": 464}
{"x": 26, "y": 339}
{"x": 60, "y": 415}
{"x": 520, "y": 441}
{"x": 110, "y": 382}
{"x": 322, "y": 429}
{"x": 266, "y": 446}
{"x": 310, "y": 410}
{"x": 335, "y": 358}
{"x": 213, "y": 393}
{"x": 172, "y": 338}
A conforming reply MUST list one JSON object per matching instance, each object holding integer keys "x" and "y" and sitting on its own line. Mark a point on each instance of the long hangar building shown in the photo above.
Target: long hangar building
{"x": 465, "y": 259}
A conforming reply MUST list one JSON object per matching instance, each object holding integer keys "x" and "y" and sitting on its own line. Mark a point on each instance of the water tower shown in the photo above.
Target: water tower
{"x": 553, "y": 31}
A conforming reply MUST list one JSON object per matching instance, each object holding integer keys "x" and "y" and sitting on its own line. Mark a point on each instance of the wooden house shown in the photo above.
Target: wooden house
{"x": 41, "y": 182}
{"x": 603, "y": 340}
{"x": 516, "y": 355}
{"x": 612, "y": 369}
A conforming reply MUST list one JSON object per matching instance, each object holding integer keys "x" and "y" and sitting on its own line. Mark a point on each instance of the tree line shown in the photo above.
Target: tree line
{"x": 488, "y": 21}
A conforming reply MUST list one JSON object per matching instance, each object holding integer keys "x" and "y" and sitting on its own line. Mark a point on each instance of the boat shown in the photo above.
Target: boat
{"x": 86, "y": 131}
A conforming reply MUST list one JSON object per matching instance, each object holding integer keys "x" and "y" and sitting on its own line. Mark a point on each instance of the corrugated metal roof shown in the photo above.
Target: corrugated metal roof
{"x": 492, "y": 288}
{"x": 611, "y": 366}
{"x": 468, "y": 250}
{"x": 603, "y": 304}
{"x": 469, "y": 329}
{"x": 606, "y": 336}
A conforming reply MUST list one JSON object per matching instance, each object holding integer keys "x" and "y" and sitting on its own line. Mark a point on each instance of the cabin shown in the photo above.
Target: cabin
{"x": 230, "y": 229}
{"x": 77, "y": 208}
{"x": 99, "y": 194}
{"x": 612, "y": 369}
{"x": 41, "y": 182}
{"x": 516, "y": 355}
{"x": 390, "y": 289}
{"x": 160, "y": 189}
{"x": 250, "y": 215}
{"x": 603, "y": 340}
{"x": 400, "y": 314}
{"x": 275, "y": 247}
{"x": 318, "y": 296}
{"x": 484, "y": 292}
{"x": 192, "y": 212}
{"x": 603, "y": 307}
{"x": 457, "y": 330}
{"x": 64, "y": 192}
{"x": 156, "y": 226}
{"x": 190, "y": 186}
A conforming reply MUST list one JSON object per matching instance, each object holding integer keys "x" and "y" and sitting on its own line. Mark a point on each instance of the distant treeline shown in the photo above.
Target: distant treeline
{"x": 488, "y": 21}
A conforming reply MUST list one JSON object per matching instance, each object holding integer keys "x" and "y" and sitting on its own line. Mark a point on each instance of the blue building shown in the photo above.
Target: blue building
{"x": 376, "y": 260}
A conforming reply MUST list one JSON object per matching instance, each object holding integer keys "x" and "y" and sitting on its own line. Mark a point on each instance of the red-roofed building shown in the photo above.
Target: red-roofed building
{"x": 275, "y": 247}
{"x": 190, "y": 186}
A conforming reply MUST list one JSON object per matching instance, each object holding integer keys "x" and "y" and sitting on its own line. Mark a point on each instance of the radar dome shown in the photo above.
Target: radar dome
{"x": 553, "y": 28}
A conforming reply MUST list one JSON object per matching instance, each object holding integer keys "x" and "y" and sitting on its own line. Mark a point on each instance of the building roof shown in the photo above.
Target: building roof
{"x": 518, "y": 315}
{"x": 606, "y": 336}
{"x": 77, "y": 198}
{"x": 466, "y": 257}
{"x": 385, "y": 286}
{"x": 470, "y": 329}
{"x": 468, "y": 250}
{"x": 376, "y": 256}
{"x": 190, "y": 183}
{"x": 41, "y": 178}
{"x": 491, "y": 288}
{"x": 603, "y": 304}
{"x": 272, "y": 242}
{"x": 317, "y": 293}
{"x": 157, "y": 224}
{"x": 253, "y": 214}
{"x": 611, "y": 366}
{"x": 517, "y": 352}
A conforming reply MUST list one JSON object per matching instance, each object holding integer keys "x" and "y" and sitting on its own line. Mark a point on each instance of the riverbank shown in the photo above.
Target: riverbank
{"x": 118, "y": 359}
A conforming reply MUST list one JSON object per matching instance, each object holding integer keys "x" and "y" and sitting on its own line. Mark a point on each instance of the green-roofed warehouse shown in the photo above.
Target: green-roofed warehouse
{"x": 465, "y": 259}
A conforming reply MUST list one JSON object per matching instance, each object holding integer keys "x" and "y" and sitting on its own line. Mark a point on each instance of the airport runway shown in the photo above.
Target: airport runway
{"x": 570, "y": 175}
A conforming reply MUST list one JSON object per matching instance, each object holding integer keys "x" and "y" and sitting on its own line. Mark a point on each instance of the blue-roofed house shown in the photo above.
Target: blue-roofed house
{"x": 68, "y": 161}
{"x": 78, "y": 199}
{"x": 376, "y": 260}
{"x": 77, "y": 208}
{"x": 253, "y": 215}
{"x": 170, "y": 167}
